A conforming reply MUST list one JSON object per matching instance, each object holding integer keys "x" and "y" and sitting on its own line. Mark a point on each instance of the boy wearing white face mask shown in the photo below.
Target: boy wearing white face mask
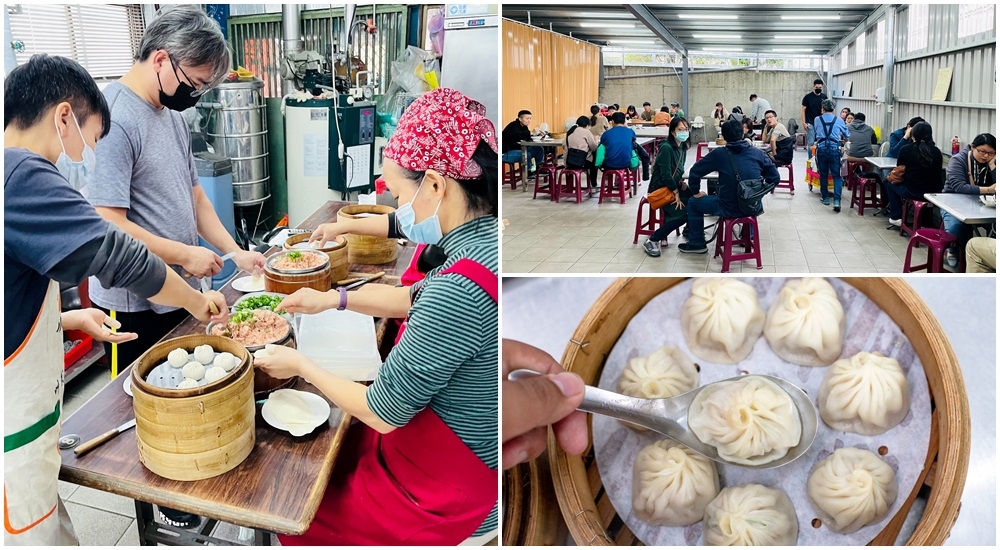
{"x": 53, "y": 116}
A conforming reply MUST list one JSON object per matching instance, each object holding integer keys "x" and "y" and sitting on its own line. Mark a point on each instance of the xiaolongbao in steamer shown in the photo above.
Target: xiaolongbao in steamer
{"x": 851, "y": 488}
{"x": 226, "y": 361}
{"x": 865, "y": 394}
{"x": 671, "y": 484}
{"x": 751, "y": 515}
{"x": 188, "y": 383}
{"x": 806, "y": 323}
{"x": 722, "y": 320}
{"x": 194, "y": 370}
{"x": 177, "y": 358}
{"x": 214, "y": 373}
{"x": 749, "y": 421}
{"x": 204, "y": 354}
{"x": 666, "y": 372}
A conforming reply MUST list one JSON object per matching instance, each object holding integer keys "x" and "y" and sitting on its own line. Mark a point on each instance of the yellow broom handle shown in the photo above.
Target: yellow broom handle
{"x": 114, "y": 352}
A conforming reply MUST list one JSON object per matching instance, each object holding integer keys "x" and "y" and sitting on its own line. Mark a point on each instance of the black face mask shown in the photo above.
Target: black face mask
{"x": 818, "y": 91}
{"x": 182, "y": 99}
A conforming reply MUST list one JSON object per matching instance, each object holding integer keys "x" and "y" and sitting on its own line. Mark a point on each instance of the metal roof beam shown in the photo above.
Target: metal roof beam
{"x": 646, "y": 17}
{"x": 868, "y": 21}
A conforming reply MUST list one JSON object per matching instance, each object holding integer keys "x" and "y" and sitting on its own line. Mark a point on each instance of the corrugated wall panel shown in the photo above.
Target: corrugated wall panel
{"x": 553, "y": 76}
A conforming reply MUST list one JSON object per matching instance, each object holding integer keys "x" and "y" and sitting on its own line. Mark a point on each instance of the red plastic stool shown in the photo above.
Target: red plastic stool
{"x": 650, "y": 224}
{"x": 865, "y": 194}
{"x": 547, "y": 171}
{"x": 513, "y": 174}
{"x": 608, "y": 184}
{"x": 750, "y": 240}
{"x": 633, "y": 176}
{"x": 937, "y": 241}
{"x": 698, "y": 155}
{"x": 569, "y": 180}
{"x": 918, "y": 209}
{"x": 789, "y": 183}
{"x": 852, "y": 181}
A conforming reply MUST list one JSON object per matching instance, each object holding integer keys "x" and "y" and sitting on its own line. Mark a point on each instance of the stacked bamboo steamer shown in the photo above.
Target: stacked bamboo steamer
{"x": 365, "y": 249}
{"x": 587, "y": 508}
{"x": 287, "y": 281}
{"x": 337, "y": 252}
{"x": 196, "y": 433}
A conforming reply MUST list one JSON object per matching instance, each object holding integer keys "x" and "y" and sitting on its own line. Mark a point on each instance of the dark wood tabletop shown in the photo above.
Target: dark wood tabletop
{"x": 278, "y": 487}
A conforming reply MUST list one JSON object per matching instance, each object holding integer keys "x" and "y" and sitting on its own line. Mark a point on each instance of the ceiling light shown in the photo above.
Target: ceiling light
{"x": 607, "y": 25}
{"x": 722, "y": 49}
{"x": 792, "y": 50}
{"x": 718, "y": 36}
{"x": 604, "y": 15}
{"x": 798, "y": 37}
{"x": 811, "y": 17}
{"x": 707, "y": 16}
{"x": 631, "y": 42}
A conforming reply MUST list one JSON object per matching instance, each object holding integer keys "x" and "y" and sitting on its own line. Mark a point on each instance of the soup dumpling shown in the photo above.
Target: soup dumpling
{"x": 806, "y": 323}
{"x": 751, "y": 515}
{"x": 722, "y": 320}
{"x": 671, "y": 484}
{"x": 865, "y": 394}
{"x": 851, "y": 488}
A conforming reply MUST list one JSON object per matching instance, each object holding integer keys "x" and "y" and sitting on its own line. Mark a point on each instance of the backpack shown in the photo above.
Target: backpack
{"x": 784, "y": 151}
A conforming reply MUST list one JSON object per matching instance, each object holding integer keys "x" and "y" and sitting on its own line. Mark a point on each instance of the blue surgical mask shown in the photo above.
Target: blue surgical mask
{"x": 425, "y": 232}
{"x": 76, "y": 172}
{"x": 682, "y": 136}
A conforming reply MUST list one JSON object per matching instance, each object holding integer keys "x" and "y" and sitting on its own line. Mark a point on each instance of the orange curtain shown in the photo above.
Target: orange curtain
{"x": 553, "y": 76}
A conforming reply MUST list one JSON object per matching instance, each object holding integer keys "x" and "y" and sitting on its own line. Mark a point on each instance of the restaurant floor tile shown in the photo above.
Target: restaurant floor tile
{"x": 798, "y": 235}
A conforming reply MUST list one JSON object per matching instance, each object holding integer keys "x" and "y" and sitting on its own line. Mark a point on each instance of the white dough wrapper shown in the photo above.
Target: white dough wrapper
{"x": 204, "y": 354}
{"x": 671, "y": 484}
{"x": 751, "y": 515}
{"x": 214, "y": 373}
{"x": 226, "y": 361}
{"x": 187, "y": 383}
{"x": 194, "y": 370}
{"x": 666, "y": 372}
{"x": 806, "y": 323}
{"x": 177, "y": 358}
{"x": 749, "y": 421}
{"x": 722, "y": 320}
{"x": 851, "y": 488}
{"x": 866, "y": 394}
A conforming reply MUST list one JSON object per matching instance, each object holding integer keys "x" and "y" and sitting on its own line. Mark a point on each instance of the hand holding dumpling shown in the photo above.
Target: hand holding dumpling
{"x": 279, "y": 361}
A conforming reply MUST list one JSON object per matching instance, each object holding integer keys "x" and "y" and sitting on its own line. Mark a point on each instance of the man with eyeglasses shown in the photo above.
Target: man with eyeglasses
{"x": 146, "y": 182}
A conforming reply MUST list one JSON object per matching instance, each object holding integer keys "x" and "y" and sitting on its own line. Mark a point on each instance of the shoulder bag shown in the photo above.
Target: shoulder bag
{"x": 750, "y": 193}
{"x": 664, "y": 196}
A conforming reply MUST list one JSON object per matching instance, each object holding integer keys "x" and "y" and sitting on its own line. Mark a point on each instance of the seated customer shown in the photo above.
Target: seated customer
{"x": 773, "y": 132}
{"x": 662, "y": 118}
{"x": 668, "y": 171}
{"x": 747, "y": 128}
{"x": 598, "y": 122}
{"x": 720, "y": 114}
{"x": 981, "y": 255}
{"x": 861, "y": 139}
{"x": 631, "y": 113}
{"x": 513, "y": 134}
{"x": 617, "y": 144}
{"x": 751, "y": 163}
{"x": 973, "y": 171}
{"x": 579, "y": 137}
{"x": 675, "y": 110}
{"x": 921, "y": 161}
{"x": 901, "y": 137}
{"x": 647, "y": 112}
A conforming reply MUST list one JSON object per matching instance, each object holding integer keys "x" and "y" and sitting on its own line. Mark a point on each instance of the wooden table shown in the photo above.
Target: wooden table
{"x": 555, "y": 143}
{"x": 278, "y": 488}
{"x": 967, "y": 208}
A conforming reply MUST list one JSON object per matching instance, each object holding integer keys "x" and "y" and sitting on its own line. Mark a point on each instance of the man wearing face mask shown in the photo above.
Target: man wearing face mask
{"x": 53, "y": 115}
{"x": 812, "y": 107}
{"x": 146, "y": 182}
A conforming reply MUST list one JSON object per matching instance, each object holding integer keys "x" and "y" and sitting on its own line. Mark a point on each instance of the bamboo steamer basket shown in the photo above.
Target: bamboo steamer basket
{"x": 365, "y": 249}
{"x": 288, "y": 281}
{"x": 338, "y": 254}
{"x": 587, "y": 509}
{"x": 531, "y": 512}
{"x": 196, "y": 433}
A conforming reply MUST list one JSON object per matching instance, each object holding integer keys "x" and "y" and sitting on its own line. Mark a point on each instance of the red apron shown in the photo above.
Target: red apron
{"x": 417, "y": 485}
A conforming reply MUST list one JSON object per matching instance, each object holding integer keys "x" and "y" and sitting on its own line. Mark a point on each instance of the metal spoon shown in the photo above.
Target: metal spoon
{"x": 669, "y": 416}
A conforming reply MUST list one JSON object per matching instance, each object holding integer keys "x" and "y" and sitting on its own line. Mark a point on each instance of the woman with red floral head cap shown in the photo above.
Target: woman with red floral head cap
{"x": 421, "y": 468}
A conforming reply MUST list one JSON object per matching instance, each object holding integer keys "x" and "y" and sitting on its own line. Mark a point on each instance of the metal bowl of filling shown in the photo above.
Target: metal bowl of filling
{"x": 297, "y": 261}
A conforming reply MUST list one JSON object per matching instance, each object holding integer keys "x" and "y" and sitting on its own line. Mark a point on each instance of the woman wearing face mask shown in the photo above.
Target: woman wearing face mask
{"x": 53, "y": 115}
{"x": 668, "y": 171}
{"x": 421, "y": 466}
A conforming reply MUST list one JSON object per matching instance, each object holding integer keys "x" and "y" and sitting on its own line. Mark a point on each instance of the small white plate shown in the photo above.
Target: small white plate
{"x": 246, "y": 284}
{"x": 127, "y": 385}
{"x": 318, "y": 408}
{"x": 989, "y": 200}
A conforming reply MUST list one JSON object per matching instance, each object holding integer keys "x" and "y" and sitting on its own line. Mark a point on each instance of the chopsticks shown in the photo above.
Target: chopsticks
{"x": 354, "y": 282}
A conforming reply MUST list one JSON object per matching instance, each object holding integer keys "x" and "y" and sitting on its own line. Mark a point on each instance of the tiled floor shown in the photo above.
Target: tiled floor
{"x": 99, "y": 518}
{"x": 798, "y": 235}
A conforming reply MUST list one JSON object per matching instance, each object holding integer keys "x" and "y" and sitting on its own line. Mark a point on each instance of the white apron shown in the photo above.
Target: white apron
{"x": 32, "y": 408}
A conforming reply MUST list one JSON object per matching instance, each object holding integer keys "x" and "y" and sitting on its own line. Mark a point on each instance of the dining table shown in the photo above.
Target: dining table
{"x": 276, "y": 489}
{"x": 967, "y": 209}
{"x": 545, "y": 143}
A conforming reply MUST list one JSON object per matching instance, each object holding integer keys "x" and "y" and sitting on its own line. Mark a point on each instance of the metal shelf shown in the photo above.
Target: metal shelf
{"x": 91, "y": 357}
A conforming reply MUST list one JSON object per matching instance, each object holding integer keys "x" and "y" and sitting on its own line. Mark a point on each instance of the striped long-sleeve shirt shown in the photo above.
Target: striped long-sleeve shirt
{"x": 448, "y": 357}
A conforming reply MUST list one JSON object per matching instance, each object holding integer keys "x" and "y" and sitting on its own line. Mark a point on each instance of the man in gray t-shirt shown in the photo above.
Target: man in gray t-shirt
{"x": 146, "y": 182}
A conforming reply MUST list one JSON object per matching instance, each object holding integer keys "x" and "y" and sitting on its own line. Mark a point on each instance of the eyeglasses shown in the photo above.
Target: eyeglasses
{"x": 985, "y": 153}
{"x": 198, "y": 92}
